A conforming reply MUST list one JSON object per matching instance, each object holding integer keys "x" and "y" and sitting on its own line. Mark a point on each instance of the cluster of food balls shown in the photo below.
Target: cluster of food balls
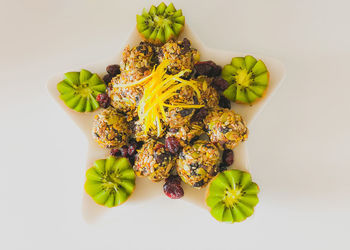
{"x": 196, "y": 144}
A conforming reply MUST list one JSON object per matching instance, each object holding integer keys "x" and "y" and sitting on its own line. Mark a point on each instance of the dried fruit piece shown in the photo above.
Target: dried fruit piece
{"x": 207, "y": 68}
{"x": 110, "y": 129}
{"x": 227, "y": 157}
{"x": 248, "y": 79}
{"x": 79, "y": 90}
{"x": 113, "y": 70}
{"x": 173, "y": 191}
{"x": 103, "y": 100}
{"x": 232, "y": 196}
{"x": 160, "y": 24}
{"x": 172, "y": 145}
{"x": 110, "y": 182}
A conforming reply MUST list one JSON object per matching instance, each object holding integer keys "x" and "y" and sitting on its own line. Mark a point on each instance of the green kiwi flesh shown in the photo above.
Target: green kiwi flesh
{"x": 160, "y": 24}
{"x": 111, "y": 181}
{"x": 79, "y": 90}
{"x": 232, "y": 196}
{"x": 248, "y": 79}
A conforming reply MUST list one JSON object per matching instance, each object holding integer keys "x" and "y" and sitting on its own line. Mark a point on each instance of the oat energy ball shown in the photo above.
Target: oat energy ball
{"x": 198, "y": 163}
{"x": 225, "y": 127}
{"x": 137, "y": 62}
{"x": 177, "y": 117}
{"x": 125, "y": 99}
{"x": 110, "y": 129}
{"x": 180, "y": 54}
{"x": 153, "y": 161}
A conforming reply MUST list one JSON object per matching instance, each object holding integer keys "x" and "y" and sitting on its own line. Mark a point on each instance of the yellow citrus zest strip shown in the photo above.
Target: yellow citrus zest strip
{"x": 158, "y": 88}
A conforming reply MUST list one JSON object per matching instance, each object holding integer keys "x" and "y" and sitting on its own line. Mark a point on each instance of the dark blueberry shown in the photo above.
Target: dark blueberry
{"x": 172, "y": 145}
{"x": 107, "y": 78}
{"x": 173, "y": 179}
{"x": 124, "y": 151}
{"x": 173, "y": 191}
{"x": 227, "y": 157}
{"x": 220, "y": 84}
{"x": 222, "y": 167}
{"x": 199, "y": 115}
{"x": 185, "y": 112}
{"x": 115, "y": 152}
{"x": 224, "y": 102}
{"x": 199, "y": 183}
{"x": 103, "y": 100}
{"x": 113, "y": 70}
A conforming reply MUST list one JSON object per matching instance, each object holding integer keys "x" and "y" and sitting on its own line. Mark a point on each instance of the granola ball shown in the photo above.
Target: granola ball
{"x": 177, "y": 117}
{"x": 137, "y": 62}
{"x": 180, "y": 54}
{"x": 198, "y": 163}
{"x": 153, "y": 161}
{"x": 209, "y": 95}
{"x": 186, "y": 133}
{"x": 125, "y": 99}
{"x": 225, "y": 127}
{"x": 110, "y": 129}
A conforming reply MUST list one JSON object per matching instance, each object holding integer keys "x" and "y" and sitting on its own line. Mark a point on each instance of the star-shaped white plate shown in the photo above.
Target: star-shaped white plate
{"x": 146, "y": 189}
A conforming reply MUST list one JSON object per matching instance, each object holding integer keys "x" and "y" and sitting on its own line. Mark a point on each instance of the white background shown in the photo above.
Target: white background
{"x": 298, "y": 146}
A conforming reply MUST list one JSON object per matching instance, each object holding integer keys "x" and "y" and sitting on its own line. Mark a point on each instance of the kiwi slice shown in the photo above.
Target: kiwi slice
{"x": 248, "y": 79}
{"x": 160, "y": 24}
{"x": 232, "y": 196}
{"x": 79, "y": 90}
{"x": 111, "y": 181}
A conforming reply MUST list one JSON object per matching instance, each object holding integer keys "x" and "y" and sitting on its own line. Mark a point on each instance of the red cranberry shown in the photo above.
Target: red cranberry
{"x": 124, "y": 151}
{"x": 172, "y": 145}
{"x": 227, "y": 157}
{"x": 103, "y": 100}
{"x": 113, "y": 70}
{"x": 224, "y": 102}
{"x": 115, "y": 152}
{"x": 207, "y": 68}
{"x": 173, "y": 191}
{"x": 220, "y": 84}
